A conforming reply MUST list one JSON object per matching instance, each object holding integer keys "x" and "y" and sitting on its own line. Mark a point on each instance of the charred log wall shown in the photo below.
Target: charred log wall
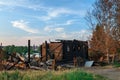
{"x": 75, "y": 48}
{"x": 65, "y": 50}
{"x": 54, "y": 51}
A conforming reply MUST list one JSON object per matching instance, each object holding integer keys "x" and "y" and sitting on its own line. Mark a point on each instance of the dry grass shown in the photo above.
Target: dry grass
{"x": 74, "y": 74}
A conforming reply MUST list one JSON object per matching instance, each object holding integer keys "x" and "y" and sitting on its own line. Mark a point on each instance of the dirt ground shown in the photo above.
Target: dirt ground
{"x": 108, "y": 71}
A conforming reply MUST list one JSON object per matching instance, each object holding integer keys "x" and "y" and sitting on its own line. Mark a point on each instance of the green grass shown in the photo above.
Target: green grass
{"x": 116, "y": 64}
{"x": 75, "y": 74}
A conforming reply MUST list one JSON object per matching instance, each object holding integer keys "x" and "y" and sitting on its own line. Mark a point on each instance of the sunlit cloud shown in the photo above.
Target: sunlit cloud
{"x": 59, "y": 29}
{"x": 37, "y": 40}
{"x": 51, "y": 28}
{"x": 45, "y": 21}
{"x": 21, "y": 24}
{"x": 8, "y": 4}
{"x": 68, "y": 22}
{"x": 54, "y": 13}
{"x": 80, "y": 35}
{"x": 57, "y": 12}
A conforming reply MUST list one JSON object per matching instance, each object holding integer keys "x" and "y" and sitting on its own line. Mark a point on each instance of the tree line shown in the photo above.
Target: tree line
{"x": 20, "y": 49}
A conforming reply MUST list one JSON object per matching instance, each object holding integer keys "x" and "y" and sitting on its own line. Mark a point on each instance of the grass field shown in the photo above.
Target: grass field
{"x": 75, "y": 74}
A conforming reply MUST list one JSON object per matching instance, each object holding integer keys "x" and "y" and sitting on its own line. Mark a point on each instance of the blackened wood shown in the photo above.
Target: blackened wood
{"x": 28, "y": 51}
{"x": 41, "y": 52}
{"x": 47, "y": 52}
{"x": 65, "y": 50}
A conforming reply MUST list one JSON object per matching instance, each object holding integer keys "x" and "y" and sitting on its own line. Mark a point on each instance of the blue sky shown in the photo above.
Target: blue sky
{"x": 40, "y": 20}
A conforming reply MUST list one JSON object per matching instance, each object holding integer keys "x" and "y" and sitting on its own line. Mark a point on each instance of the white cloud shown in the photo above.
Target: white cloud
{"x": 4, "y": 4}
{"x": 80, "y": 35}
{"x": 59, "y": 29}
{"x": 51, "y": 12}
{"x": 37, "y": 40}
{"x": 56, "y": 12}
{"x": 48, "y": 28}
{"x": 69, "y": 22}
{"x": 23, "y": 26}
{"x": 10, "y": 4}
{"x": 51, "y": 28}
{"x": 64, "y": 35}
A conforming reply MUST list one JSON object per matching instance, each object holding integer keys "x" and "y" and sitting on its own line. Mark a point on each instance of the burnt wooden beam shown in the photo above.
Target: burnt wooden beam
{"x": 13, "y": 65}
{"x": 28, "y": 51}
{"x": 47, "y": 47}
{"x": 41, "y": 52}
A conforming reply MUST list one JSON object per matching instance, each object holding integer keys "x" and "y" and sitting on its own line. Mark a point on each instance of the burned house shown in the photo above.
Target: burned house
{"x": 57, "y": 54}
{"x": 65, "y": 51}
